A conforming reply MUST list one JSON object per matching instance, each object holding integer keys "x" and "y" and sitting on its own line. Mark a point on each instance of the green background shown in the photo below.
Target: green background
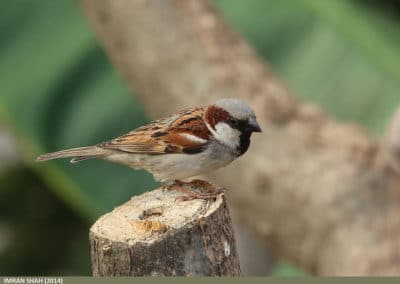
{"x": 58, "y": 90}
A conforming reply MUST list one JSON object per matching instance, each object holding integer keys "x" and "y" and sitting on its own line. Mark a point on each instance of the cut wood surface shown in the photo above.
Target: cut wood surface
{"x": 156, "y": 235}
{"x": 320, "y": 193}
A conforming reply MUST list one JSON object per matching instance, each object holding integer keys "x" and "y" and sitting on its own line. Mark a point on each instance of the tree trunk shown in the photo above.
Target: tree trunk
{"x": 156, "y": 235}
{"x": 320, "y": 193}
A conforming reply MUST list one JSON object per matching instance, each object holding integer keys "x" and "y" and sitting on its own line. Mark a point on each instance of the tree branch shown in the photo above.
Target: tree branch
{"x": 317, "y": 191}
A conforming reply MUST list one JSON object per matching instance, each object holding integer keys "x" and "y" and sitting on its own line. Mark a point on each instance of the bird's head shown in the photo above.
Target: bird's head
{"x": 231, "y": 122}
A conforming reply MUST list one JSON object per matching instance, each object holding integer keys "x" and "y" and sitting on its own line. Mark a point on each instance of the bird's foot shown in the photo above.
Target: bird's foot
{"x": 210, "y": 193}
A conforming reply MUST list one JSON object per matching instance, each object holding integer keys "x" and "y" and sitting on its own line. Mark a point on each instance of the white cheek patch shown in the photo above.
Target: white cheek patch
{"x": 226, "y": 135}
{"x": 193, "y": 138}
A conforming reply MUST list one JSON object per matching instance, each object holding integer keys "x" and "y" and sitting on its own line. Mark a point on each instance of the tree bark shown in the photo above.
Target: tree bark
{"x": 156, "y": 235}
{"x": 320, "y": 193}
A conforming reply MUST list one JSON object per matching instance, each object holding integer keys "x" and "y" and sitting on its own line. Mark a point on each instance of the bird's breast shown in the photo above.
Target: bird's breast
{"x": 180, "y": 166}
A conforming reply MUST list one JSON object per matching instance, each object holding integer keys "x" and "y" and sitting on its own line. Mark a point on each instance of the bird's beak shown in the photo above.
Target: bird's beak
{"x": 254, "y": 126}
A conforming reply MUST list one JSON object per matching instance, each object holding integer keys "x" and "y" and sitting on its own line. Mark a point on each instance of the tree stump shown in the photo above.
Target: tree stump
{"x": 156, "y": 234}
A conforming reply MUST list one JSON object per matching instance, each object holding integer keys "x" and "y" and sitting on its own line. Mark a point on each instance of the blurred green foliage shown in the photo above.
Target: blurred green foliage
{"x": 58, "y": 90}
{"x": 339, "y": 54}
{"x": 44, "y": 236}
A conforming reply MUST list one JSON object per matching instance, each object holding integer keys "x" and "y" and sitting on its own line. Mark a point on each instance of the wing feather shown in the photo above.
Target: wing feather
{"x": 183, "y": 132}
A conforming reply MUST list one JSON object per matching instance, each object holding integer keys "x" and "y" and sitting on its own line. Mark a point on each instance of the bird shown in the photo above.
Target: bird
{"x": 188, "y": 143}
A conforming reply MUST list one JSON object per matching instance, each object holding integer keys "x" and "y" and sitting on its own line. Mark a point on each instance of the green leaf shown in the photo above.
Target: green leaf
{"x": 340, "y": 54}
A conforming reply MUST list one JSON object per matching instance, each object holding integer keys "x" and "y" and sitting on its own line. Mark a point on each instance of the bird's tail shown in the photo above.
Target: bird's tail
{"x": 77, "y": 154}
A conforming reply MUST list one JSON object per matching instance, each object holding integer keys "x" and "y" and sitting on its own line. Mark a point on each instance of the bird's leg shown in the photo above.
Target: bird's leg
{"x": 184, "y": 187}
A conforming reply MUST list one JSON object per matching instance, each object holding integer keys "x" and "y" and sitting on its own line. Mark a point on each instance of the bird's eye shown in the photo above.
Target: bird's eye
{"x": 233, "y": 122}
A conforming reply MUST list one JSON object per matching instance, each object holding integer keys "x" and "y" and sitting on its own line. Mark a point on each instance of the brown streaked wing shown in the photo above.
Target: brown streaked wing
{"x": 165, "y": 135}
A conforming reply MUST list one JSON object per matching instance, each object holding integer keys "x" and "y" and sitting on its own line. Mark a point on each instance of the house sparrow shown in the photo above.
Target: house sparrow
{"x": 185, "y": 144}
